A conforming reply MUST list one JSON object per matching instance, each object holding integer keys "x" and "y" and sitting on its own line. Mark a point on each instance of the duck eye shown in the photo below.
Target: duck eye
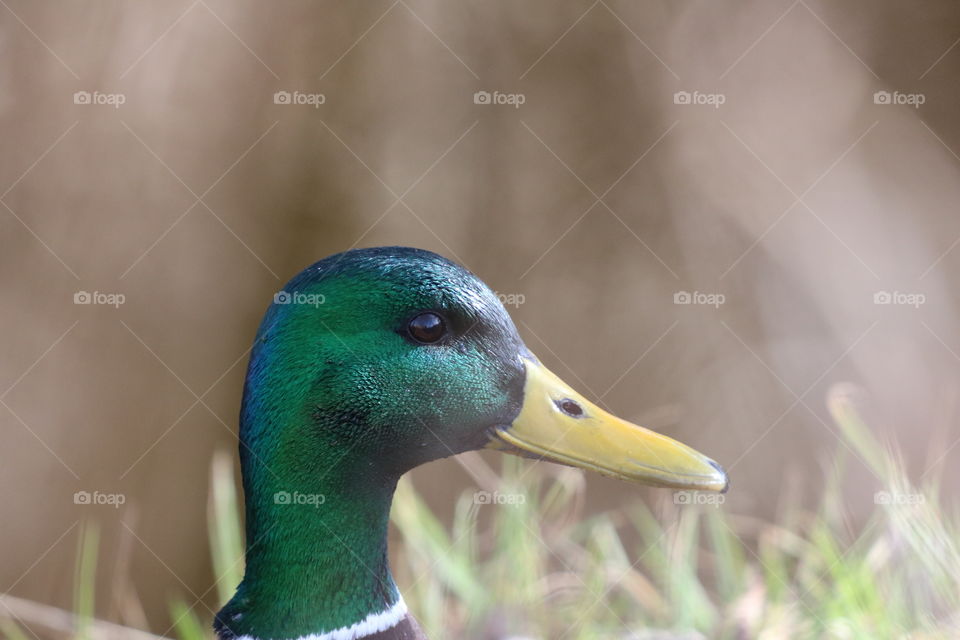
{"x": 427, "y": 328}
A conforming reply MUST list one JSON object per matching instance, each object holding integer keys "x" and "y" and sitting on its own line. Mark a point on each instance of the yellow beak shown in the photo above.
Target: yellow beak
{"x": 558, "y": 424}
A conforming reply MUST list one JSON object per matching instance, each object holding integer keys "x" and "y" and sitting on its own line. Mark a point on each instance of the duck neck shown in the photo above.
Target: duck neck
{"x": 316, "y": 558}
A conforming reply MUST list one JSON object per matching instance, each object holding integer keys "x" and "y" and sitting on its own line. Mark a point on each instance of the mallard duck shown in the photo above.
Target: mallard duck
{"x": 370, "y": 363}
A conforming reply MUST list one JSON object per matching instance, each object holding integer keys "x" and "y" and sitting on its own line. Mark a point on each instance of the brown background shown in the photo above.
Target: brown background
{"x": 798, "y": 199}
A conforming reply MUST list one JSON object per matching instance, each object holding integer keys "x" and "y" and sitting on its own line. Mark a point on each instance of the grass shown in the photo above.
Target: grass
{"x": 520, "y": 559}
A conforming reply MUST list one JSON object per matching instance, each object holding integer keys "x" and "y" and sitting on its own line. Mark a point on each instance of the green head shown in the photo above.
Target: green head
{"x": 388, "y": 357}
{"x": 367, "y": 364}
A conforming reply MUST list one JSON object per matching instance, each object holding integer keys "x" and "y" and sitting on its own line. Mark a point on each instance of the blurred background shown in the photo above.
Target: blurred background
{"x": 701, "y": 213}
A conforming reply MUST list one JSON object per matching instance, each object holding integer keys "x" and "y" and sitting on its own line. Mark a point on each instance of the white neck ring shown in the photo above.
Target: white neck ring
{"x": 373, "y": 623}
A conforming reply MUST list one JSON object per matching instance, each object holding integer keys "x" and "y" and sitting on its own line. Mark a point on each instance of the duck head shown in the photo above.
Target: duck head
{"x": 368, "y": 364}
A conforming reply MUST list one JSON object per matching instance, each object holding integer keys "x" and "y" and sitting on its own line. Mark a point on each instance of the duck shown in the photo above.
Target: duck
{"x": 370, "y": 363}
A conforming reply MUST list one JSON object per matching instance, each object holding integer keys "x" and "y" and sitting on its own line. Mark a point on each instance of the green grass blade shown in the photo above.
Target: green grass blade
{"x": 186, "y": 624}
{"x": 224, "y": 527}
{"x": 85, "y": 576}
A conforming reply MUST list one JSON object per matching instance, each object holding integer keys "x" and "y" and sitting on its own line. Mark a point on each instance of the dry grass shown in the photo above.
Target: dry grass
{"x": 524, "y": 563}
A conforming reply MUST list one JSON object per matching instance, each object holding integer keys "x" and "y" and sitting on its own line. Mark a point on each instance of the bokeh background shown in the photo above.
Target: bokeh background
{"x": 819, "y": 215}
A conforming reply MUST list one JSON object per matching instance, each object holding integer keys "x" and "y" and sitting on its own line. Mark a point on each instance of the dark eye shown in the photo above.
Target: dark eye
{"x": 427, "y": 328}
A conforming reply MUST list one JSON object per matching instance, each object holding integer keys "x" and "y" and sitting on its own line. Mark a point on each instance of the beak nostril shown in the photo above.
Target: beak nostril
{"x": 570, "y": 407}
